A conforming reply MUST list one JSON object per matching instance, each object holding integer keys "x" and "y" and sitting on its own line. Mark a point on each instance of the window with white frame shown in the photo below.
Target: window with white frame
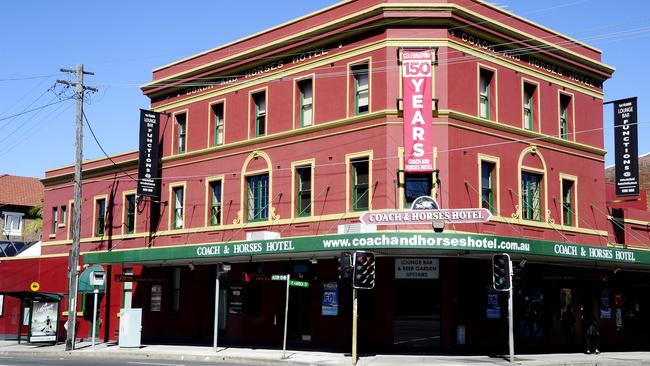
{"x": 13, "y": 223}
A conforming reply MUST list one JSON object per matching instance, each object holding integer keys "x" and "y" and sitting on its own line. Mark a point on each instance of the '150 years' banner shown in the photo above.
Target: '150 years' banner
{"x": 148, "y": 182}
{"x": 417, "y": 94}
{"x": 626, "y": 147}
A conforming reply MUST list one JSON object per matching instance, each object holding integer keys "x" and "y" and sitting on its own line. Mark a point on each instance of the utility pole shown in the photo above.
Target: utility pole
{"x": 73, "y": 258}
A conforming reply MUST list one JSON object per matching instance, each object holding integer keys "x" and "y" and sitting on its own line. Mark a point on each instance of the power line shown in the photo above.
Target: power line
{"x": 34, "y": 109}
{"x": 104, "y": 151}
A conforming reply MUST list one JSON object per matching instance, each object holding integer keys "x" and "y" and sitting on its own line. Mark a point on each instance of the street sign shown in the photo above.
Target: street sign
{"x": 279, "y": 277}
{"x": 425, "y": 217}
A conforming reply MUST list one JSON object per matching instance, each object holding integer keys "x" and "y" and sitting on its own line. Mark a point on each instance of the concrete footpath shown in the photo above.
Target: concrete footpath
{"x": 274, "y": 357}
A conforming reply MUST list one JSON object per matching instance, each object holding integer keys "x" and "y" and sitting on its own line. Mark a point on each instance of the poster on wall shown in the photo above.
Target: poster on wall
{"x": 330, "y": 304}
{"x": 626, "y": 147}
{"x": 417, "y": 94}
{"x": 43, "y": 321}
{"x": 156, "y": 297}
{"x": 493, "y": 306}
{"x": 605, "y": 309}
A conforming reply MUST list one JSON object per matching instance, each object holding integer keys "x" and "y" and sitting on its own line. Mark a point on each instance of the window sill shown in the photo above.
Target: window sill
{"x": 61, "y": 225}
{"x": 52, "y": 236}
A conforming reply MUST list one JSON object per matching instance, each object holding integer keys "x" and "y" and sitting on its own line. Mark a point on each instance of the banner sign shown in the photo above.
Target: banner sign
{"x": 454, "y": 242}
{"x": 418, "y": 105}
{"x": 417, "y": 268}
{"x": 43, "y": 321}
{"x": 148, "y": 179}
{"x": 626, "y": 147}
{"x": 426, "y": 217}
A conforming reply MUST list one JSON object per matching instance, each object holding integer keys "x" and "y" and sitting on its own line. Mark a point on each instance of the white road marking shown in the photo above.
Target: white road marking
{"x": 154, "y": 363}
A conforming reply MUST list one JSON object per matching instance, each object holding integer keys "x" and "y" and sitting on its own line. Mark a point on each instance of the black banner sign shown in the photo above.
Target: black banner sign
{"x": 148, "y": 182}
{"x": 626, "y": 147}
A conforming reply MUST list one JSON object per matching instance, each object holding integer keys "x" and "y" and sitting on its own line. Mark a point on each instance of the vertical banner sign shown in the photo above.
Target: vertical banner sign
{"x": 148, "y": 179}
{"x": 626, "y": 147}
{"x": 417, "y": 93}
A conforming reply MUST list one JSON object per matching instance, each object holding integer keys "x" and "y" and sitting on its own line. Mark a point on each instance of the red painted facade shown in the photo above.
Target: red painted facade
{"x": 325, "y": 47}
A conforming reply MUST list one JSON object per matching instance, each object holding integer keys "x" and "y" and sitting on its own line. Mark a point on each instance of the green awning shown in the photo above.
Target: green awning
{"x": 422, "y": 242}
{"x": 84, "y": 280}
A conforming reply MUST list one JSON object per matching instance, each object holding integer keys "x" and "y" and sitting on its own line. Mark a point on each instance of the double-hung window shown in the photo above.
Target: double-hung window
{"x": 487, "y": 186}
{"x": 529, "y": 119}
{"x": 565, "y": 101}
{"x": 100, "y": 216}
{"x": 531, "y": 196}
{"x": 485, "y": 84}
{"x": 260, "y": 113}
{"x": 257, "y": 197}
{"x": 219, "y": 123}
{"x": 181, "y": 133}
{"x": 567, "y": 203}
{"x": 306, "y": 102}
{"x": 360, "y": 184}
{"x": 361, "y": 88}
{"x": 178, "y": 202}
{"x": 55, "y": 219}
{"x": 215, "y": 202}
{"x": 130, "y": 213}
{"x": 64, "y": 217}
{"x": 416, "y": 185}
{"x": 303, "y": 185}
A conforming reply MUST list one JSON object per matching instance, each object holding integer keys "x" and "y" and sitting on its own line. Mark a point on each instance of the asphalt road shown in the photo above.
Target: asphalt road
{"x": 83, "y": 361}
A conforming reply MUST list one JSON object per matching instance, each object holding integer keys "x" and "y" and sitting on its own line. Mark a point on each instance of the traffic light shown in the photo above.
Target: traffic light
{"x": 345, "y": 266}
{"x": 501, "y": 272}
{"x": 363, "y": 274}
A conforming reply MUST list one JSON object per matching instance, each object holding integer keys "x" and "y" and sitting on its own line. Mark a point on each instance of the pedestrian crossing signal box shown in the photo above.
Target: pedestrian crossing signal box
{"x": 97, "y": 278}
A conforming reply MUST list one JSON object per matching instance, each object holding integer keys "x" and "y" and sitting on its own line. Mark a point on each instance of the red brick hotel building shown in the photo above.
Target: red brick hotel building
{"x": 273, "y": 146}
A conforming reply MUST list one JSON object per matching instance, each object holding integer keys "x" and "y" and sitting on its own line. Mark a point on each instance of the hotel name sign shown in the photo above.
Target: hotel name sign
{"x": 523, "y": 55}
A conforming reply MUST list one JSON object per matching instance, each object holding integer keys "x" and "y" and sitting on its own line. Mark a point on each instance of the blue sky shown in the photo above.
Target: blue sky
{"x": 122, "y": 41}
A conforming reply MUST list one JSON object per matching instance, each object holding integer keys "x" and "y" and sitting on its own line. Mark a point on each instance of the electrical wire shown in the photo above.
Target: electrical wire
{"x": 102, "y": 148}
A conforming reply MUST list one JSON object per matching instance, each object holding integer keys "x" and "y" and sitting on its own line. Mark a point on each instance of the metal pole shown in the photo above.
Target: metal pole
{"x": 286, "y": 318}
{"x": 95, "y": 291}
{"x": 216, "y": 312}
{"x": 20, "y": 319}
{"x": 355, "y": 317}
{"x": 511, "y": 336}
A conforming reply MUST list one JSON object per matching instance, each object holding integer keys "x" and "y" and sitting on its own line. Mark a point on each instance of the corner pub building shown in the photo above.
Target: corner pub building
{"x": 272, "y": 146}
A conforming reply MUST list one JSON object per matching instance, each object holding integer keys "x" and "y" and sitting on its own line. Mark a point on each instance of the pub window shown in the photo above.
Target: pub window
{"x": 257, "y": 197}
{"x": 260, "y": 113}
{"x": 487, "y": 185}
{"x": 565, "y": 101}
{"x": 181, "y": 132}
{"x": 176, "y": 290}
{"x": 177, "y": 207}
{"x": 130, "y": 213}
{"x": 485, "y": 93}
{"x": 568, "y": 211}
{"x": 306, "y": 102}
{"x": 100, "y": 216}
{"x": 63, "y": 215}
{"x": 127, "y": 289}
{"x": 55, "y": 219}
{"x": 531, "y": 196}
{"x": 360, "y": 184}
{"x": 303, "y": 189}
{"x": 529, "y": 106}
{"x": 361, "y": 88}
{"x": 416, "y": 185}
{"x": 215, "y": 202}
{"x": 219, "y": 123}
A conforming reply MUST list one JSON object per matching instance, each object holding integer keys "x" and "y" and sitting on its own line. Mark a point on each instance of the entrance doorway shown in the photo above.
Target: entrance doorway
{"x": 417, "y": 314}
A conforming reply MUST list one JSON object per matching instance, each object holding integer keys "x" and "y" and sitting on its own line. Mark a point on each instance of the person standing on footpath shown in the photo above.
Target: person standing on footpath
{"x": 592, "y": 336}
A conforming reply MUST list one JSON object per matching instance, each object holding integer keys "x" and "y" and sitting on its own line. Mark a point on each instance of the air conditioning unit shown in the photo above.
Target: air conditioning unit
{"x": 262, "y": 235}
{"x": 356, "y": 228}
